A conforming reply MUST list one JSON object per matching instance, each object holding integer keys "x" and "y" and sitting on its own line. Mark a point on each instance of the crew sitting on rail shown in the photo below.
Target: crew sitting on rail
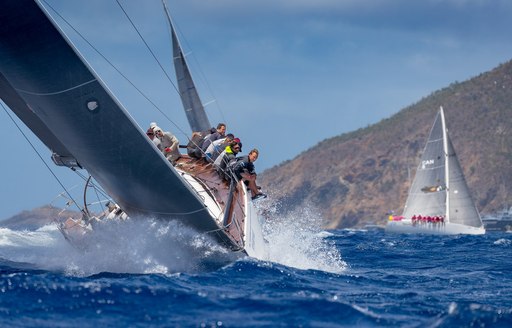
{"x": 218, "y": 134}
{"x": 194, "y": 144}
{"x": 222, "y": 161}
{"x": 243, "y": 169}
{"x": 427, "y": 219}
{"x": 217, "y": 147}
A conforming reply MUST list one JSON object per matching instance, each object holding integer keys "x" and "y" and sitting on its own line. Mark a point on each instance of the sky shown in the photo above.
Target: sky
{"x": 282, "y": 74}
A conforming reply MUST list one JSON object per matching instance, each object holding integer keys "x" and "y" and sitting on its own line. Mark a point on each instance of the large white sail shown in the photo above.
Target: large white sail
{"x": 462, "y": 209}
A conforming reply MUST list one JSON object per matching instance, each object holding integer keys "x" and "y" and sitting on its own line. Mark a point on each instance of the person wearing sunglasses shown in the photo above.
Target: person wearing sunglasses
{"x": 229, "y": 154}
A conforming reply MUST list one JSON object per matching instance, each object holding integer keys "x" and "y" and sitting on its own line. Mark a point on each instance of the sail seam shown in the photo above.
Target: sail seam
{"x": 430, "y": 168}
{"x": 55, "y": 93}
{"x": 434, "y": 140}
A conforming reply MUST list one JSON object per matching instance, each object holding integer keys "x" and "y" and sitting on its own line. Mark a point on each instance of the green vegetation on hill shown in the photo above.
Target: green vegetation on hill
{"x": 356, "y": 178}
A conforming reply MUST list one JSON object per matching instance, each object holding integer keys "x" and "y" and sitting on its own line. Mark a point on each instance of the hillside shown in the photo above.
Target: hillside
{"x": 356, "y": 178}
{"x": 36, "y": 218}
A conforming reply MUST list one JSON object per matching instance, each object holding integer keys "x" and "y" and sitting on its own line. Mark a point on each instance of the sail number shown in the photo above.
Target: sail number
{"x": 427, "y": 162}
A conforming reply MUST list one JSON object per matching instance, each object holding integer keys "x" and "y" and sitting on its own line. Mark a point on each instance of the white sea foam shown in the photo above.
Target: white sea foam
{"x": 151, "y": 246}
{"x": 132, "y": 246}
{"x": 41, "y": 237}
{"x": 297, "y": 240}
{"x": 503, "y": 242}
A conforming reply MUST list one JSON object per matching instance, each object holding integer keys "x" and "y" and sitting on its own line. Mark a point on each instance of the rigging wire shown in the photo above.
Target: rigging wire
{"x": 159, "y": 64}
{"x": 147, "y": 46}
{"x": 118, "y": 70}
{"x": 40, "y": 157}
{"x": 125, "y": 77}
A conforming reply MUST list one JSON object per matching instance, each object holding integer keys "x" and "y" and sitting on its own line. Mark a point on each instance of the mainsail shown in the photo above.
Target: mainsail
{"x": 461, "y": 208}
{"x": 192, "y": 104}
{"x": 439, "y": 187}
{"x": 45, "y": 79}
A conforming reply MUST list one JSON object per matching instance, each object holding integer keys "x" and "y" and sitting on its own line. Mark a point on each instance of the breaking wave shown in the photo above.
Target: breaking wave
{"x": 152, "y": 246}
{"x": 132, "y": 246}
{"x": 296, "y": 240}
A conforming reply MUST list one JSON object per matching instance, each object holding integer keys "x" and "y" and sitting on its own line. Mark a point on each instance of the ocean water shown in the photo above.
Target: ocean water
{"x": 151, "y": 274}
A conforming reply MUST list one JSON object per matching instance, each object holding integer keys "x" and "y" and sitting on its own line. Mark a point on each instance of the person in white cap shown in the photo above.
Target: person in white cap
{"x": 151, "y": 134}
{"x": 169, "y": 144}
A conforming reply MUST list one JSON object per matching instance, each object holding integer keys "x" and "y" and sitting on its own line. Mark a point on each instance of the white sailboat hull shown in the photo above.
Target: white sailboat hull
{"x": 255, "y": 244}
{"x": 433, "y": 228}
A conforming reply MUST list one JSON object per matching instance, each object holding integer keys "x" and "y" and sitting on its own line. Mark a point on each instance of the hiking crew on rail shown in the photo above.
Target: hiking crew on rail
{"x": 215, "y": 148}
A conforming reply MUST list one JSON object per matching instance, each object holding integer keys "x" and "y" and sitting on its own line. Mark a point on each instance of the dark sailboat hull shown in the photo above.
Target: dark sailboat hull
{"x": 49, "y": 86}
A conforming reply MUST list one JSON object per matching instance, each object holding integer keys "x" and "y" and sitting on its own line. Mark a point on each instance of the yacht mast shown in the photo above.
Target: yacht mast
{"x": 446, "y": 165}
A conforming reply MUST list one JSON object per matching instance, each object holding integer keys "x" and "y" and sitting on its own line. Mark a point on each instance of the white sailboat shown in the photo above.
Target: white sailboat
{"x": 439, "y": 201}
{"x": 47, "y": 83}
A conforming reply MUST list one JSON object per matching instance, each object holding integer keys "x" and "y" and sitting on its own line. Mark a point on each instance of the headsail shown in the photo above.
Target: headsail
{"x": 192, "y": 104}
{"x": 427, "y": 195}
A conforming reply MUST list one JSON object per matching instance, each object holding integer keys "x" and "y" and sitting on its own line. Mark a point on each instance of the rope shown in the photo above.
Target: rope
{"x": 147, "y": 46}
{"x": 161, "y": 67}
{"x": 39, "y": 155}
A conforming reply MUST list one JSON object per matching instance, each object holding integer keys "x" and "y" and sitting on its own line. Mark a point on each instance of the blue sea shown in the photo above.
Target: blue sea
{"x": 151, "y": 274}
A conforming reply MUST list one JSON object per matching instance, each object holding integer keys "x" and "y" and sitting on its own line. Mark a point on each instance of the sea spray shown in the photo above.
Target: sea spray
{"x": 132, "y": 246}
{"x": 296, "y": 239}
{"x": 154, "y": 246}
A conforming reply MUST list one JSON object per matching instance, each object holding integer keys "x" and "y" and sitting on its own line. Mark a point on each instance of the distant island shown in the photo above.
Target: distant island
{"x": 358, "y": 178}
{"x": 36, "y": 218}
